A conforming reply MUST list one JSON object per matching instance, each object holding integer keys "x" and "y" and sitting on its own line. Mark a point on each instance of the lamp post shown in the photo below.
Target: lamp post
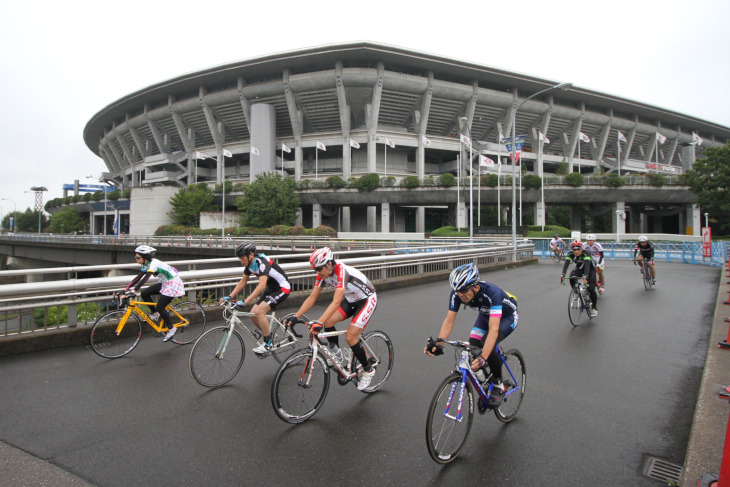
{"x": 561, "y": 86}
{"x": 618, "y": 227}
{"x": 707, "y": 222}
{"x": 471, "y": 183}
{"x": 38, "y": 190}
{"x": 15, "y": 214}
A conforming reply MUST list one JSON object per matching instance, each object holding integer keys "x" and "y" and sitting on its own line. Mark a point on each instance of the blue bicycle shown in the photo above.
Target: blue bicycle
{"x": 452, "y": 407}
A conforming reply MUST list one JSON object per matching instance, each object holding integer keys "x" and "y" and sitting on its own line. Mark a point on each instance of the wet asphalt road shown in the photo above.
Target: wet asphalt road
{"x": 601, "y": 399}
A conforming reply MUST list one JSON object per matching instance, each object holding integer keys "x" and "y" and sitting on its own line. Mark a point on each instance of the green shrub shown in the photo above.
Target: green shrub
{"x": 490, "y": 180}
{"x": 562, "y": 169}
{"x": 429, "y": 181}
{"x": 335, "y": 182}
{"x": 657, "y": 180}
{"x": 368, "y": 182}
{"x": 97, "y": 196}
{"x": 279, "y": 230}
{"x": 532, "y": 181}
{"x": 410, "y": 182}
{"x": 613, "y": 180}
{"x": 450, "y": 232}
{"x": 114, "y": 195}
{"x": 296, "y": 230}
{"x": 304, "y": 184}
{"x": 127, "y": 193}
{"x": 447, "y": 180}
{"x": 325, "y": 231}
{"x": 574, "y": 179}
{"x": 389, "y": 181}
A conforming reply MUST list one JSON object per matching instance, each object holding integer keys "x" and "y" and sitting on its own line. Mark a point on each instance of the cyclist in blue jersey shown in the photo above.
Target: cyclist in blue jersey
{"x": 497, "y": 318}
{"x": 169, "y": 286}
{"x": 272, "y": 289}
{"x": 645, "y": 249}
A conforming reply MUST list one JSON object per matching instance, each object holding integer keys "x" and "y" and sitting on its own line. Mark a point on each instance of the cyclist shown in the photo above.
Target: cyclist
{"x": 645, "y": 249}
{"x": 557, "y": 245}
{"x": 354, "y": 297}
{"x": 497, "y": 318}
{"x": 595, "y": 250}
{"x": 169, "y": 286}
{"x": 584, "y": 266}
{"x": 272, "y": 289}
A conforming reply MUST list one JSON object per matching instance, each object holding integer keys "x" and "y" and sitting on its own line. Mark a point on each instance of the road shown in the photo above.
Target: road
{"x": 601, "y": 399}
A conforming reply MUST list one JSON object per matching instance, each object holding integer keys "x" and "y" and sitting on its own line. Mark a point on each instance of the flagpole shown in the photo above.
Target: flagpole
{"x": 282, "y": 161}
{"x": 385, "y": 161}
{"x": 223, "y": 195}
{"x": 458, "y": 176}
{"x": 656, "y": 143}
{"x": 520, "y": 174}
{"x": 499, "y": 176}
{"x": 618, "y": 157}
{"x": 479, "y": 196}
{"x": 316, "y": 162}
{"x": 542, "y": 184}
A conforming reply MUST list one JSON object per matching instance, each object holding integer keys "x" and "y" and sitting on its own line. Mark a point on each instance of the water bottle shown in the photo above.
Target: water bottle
{"x": 336, "y": 352}
{"x": 480, "y": 375}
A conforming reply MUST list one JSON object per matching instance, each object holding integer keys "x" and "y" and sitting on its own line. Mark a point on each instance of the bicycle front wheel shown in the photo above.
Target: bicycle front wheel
{"x": 284, "y": 342}
{"x": 105, "y": 340}
{"x": 447, "y": 428}
{"x": 555, "y": 256}
{"x": 381, "y": 346}
{"x": 217, "y": 357}
{"x": 195, "y": 315}
{"x": 575, "y": 308}
{"x": 300, "y": 386}
{"x": 646, "y": 271}
{"x": 515, "y": 386}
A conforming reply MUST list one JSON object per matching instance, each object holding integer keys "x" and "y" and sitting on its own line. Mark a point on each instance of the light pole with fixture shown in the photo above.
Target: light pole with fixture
{"x": 15, "y": 214}
{"x": 561, "y": 86}
{"x": 707, "y": 222}
{"x": 471, "y": 182}
{"x": 38, "y": 190}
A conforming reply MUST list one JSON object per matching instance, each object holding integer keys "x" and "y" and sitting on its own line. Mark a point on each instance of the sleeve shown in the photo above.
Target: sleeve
{"x": 264, "y": 267}
{"x": 566, "y": 264}
{"x": 135, "y": 280}
{"x": 454, "y": 302}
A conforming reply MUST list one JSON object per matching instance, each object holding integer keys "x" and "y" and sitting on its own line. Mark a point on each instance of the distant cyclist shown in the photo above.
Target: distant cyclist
{"x": 584, "y": 266}
{"x": 272, "y": 289}
{"x": 595, "y": 250}
{"x": 645, "y": 249}
{"x": 557, "y": 245}
{"x": 497, "y": 318}
{"x": 169, "y": 286}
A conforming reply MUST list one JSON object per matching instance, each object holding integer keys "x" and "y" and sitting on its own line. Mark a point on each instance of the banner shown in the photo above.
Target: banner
{"x": 321, "y": 146}
{"x": 426, "y": 141}
{"x": 390, "y": 143}
{"x": 354, "y": 144}
{"x": 519, "y": 142}
{"x": 255, "y": 151}
{"x": 227, "y": 153}
{"x": 622, "y": 137}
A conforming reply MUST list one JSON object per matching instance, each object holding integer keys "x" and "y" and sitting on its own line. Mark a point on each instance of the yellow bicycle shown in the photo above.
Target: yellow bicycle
{"x": 117, "y": 332}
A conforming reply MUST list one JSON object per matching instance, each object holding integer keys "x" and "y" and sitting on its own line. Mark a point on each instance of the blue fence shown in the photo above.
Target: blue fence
{"x": 664, "y": 251}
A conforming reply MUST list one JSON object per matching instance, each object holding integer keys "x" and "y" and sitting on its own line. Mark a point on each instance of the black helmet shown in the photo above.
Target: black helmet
{"x": 555, "y": 235}
{"x": 245, "y": 248}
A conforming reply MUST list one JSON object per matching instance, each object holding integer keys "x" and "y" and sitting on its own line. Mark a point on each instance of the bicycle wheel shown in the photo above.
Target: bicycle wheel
{"x": 195, "y": 315}
{"x": 217, "y": 357}
{"x": 382, "y": 347}
{"x": 296, "y": 394}
{"x": 446, "y": 431}
{"x": 555, "y": 256}
{"x": 283, "y": 343}
{"x": 104, "y": 339}
{"x": 646, "y": 272}
{"x": 575, "y": 308}
{"x": 507, "y": 411}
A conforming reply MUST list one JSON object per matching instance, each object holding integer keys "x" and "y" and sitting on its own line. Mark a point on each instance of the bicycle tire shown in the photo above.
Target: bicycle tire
{"x": 555, "y": 256}
{"x": 646, "y": 274}
{"x": 382, "y": 347}
{"x": 445, "y": 436}
{"x": 511, "y": 403}
{"x": 195, "y": 314}
{"x": 206, "y": 364}
{"x": 575, "y": 308}
{"x": 293, "y": 402}
{"x": 104, "y": 340}
{"x": 284, "y": 343}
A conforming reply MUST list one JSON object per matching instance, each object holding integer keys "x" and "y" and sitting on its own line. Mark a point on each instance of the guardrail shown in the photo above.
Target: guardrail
{"x": 29, "y": 308}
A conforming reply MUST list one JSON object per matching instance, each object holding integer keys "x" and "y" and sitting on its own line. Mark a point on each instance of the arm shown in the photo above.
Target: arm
{"x": 239, "y": 287}
{"x": 445, "y": 330}
{"x": 258, "y": 290}
{"x": 309, "y": 302}
{"x": 142, "y": 281}
{"x": 135, "y": 280}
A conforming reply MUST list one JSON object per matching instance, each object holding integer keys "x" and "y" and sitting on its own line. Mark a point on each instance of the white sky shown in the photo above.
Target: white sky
{"x": 62, "y": 62}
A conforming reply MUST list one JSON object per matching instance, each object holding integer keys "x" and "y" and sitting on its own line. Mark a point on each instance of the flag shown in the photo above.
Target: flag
{"x": 696, "y": 139}
{"x": 255, "y": 151}
{"x": 227, "y": 153}
{"x": 200, "y": 155}
{"x": 660, "y": 138}
{"x": 485, "y": 161}
{"x": 426, "y": 141}
{"x": 584, "y": 137}
{"x": 465, "y": 139}
{"x": 321, "y": 146}
{"x": 354, "y": 144}
{"x": 285, "y": 148}
{"x": 543, "y": 137}
{"x": 390, "y": 143}
{"x": 621, "y": 137}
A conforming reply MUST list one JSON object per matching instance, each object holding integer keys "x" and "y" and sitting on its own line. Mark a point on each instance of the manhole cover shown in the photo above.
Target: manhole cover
{"x": 659, "y": 469}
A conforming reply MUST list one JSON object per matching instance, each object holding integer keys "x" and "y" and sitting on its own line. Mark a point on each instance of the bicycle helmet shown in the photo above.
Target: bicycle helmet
{"x": 320, "y": 257}
{"x": 555, "y": 235}
{"x": 591, "y": 237}
{"x": 146, "y": 251}
{"x": 576, "y": 244}
{"x": 643, "y": 238}
{"x": 463, "y": 276}
{"x": 245, "y": 248}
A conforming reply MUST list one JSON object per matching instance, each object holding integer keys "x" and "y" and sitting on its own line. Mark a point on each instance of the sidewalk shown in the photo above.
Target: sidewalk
{"x": 18, "y": 468}
{"x": 707, "y": 438}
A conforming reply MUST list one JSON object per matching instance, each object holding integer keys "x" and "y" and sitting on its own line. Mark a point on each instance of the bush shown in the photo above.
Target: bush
{"x": 335, "y": 182}
{"x": 532, "y": 181}
{"x": 86, "y": 197}
{"x": 410, "y": 182}
{"x": 279, "y": 230}
{"x": 450, "y": 232}
{"x": 325, "y": 231}
{"x": 574, "y": 179}
{"x": 447, "y": 180}
{"x": 296, "y": 230}
{"x": 127, "y": 193}
{"x": 614, "y": 181}
{"x": 429, "y": 181}
{"x": 97, "y": 196}
{"x": 368, "y": 182}
{"x": 657, "y": 180}
{"x": 562, "y": 169}
{"x": 389, "y": 181}
{"x": 114, "y": 195}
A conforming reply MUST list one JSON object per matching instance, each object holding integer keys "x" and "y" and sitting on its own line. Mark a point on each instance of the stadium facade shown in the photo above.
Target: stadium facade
{"x": 357, "y": 108}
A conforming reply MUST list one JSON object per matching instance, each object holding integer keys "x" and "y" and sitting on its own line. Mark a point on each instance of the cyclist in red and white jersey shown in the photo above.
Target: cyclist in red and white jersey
{"x": 595, "y": 250}
{"x": 354, "y": 297}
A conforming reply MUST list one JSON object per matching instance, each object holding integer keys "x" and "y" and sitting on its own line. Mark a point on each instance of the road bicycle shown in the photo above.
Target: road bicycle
{"x": 302, "y": 381}
{"x": 580, "y": 305}
{"x": 646, "y": 274}
{"x": 118, "y": 332}
{"x": 452, "y": 408}
{"x": 557, "y": 255}
{"x": 218, "y": 355}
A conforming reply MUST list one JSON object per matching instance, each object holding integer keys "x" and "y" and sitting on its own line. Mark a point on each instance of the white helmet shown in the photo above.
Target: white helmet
{"x": 466, "y": 275}
{"x": 320, "y": 257}
{"x": 591, "y": 236}
{"x": 643, "y": 238}
{"x": 146, "y": 251}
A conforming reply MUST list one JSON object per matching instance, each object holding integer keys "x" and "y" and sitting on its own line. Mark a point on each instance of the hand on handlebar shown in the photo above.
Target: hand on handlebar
{"x": 562, "y": 279}
{"x": 315, "y": 328}
{"x": 432, "y": 348}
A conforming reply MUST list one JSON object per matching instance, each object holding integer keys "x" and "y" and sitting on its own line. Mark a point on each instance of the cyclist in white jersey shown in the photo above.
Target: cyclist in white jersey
{"x": 556, "y": 244}
{"x": 595, "y": 250}
{"x": 354, "y": 297}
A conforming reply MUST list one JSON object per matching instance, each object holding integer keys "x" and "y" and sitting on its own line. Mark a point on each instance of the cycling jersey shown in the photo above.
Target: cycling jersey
{"x": 264, "y": 266}
{"x": 595, "y": 251}
{"x": 554, "y": 242}
{"x": 171, "y": 284}
{"x": 489, "y": 300}
{"x": 356, "y": 285}
{"x": 647, "y": 251}
{"x": 584, "y": 266}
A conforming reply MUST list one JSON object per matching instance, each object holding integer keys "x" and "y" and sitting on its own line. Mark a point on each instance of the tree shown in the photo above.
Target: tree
{"x": 709, "y": 178}
{"x": 67, "y": 220}
{"x": 28, "y": 221}
{"x": 189, "y": 202}
{"x": 269, "y": 201}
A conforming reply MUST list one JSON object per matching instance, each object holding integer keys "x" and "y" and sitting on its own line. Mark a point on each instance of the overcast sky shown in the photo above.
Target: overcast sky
{"x": 62, "y": 62}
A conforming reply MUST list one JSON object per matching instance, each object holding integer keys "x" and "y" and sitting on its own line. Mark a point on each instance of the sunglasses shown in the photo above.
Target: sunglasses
{"x": 463, "y": 290}
{"x": 318, "y": 269}
{"x": 137, "y": 257}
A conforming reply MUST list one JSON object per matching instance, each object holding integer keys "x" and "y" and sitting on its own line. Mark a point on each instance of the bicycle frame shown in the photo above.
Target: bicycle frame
{"x": 133, "y": 307}
{"x": 255, "y": 335}
{"x": 347, "y": 373}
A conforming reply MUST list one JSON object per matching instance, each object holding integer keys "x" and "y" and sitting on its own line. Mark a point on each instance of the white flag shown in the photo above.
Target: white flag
{"x": 390, "y": 143}
{"x": 696, "y": 139}
{"x": 255, "y": 151}
{"x": 321, "y": 146}
{"x": 200, "y": 155}
{"x": 227, "y": 153}
{"x": 465, "y": 139}
{"x": 485, "y": 161}
{"x": 621, "y": 137}
{"x": 660, "y": 138}
{"x": 543, "y": 137}
{"x": 354, "y": 144}
{"x": 584, "y": 137}
{"x": 426, "y": 141}
{"x": 285, "y": 148}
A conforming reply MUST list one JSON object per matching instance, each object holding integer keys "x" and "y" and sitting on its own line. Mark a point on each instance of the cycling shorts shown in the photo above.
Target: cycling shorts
{"x": 273, "y": 298}
{"x": 361, "y": 310}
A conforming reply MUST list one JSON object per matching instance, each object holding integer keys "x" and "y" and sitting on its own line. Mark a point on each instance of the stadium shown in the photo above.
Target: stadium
{"x": 352, "y": 109}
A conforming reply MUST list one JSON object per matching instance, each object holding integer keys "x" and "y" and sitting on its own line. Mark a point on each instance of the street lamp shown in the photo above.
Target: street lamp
{"x": 38, "y": 190}
{"x": 561, "y": 86}
{"x": 707, "y": 223}
{"x": 15, "y": 214}
{"x": 471, "y": 183}
{"x": 618, "y": 226}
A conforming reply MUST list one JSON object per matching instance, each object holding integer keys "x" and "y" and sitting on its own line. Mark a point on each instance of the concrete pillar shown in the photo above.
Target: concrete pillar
{"x": 619, "y": 222}
{"x": 575, "y": 218}
{"x": 263, "y": 137}
{"x": 421, "y": 219}
{"x": 346, "y": 159}
{"x": 694, "y": 221}
{"x": 345, "y": 219}
{"x": 385, "y": 216}
{"x": 298, "y": 157}
{"x": 372, "y": 219}
{"x": 539, "y": 214}
{"x": 461, "y": 215}
{"x": 316, "y": 215}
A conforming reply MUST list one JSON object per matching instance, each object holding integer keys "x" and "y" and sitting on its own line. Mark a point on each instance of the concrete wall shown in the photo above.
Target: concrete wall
{"x": 149, "y": 207}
